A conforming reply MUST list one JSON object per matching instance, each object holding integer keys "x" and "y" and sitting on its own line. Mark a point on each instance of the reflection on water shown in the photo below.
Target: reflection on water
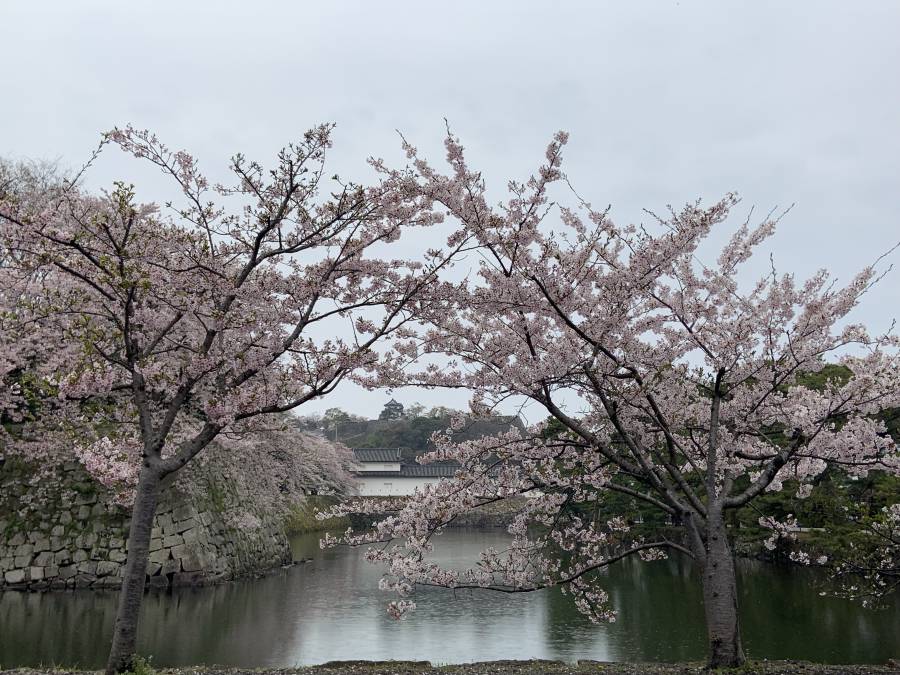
{"x": 331, "y": 608}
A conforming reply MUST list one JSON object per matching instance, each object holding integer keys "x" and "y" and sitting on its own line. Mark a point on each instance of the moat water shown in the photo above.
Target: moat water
{"x": 331, "y": 609}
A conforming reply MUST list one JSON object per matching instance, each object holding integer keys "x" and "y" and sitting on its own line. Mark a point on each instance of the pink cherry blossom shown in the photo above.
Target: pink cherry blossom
{"x": 667, "y": 382}
{"x": 157, "y": 331}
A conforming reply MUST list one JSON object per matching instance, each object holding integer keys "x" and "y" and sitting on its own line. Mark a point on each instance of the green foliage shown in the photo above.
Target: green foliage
{"x": 404, "y": 433}
{"x": 333, "y": 415}
{"x": 413, "y": 436}
{"x": 891, "y": 419}
{"x": 413, "y": 411}
{"x": 302, "y": 517}
{"x": 833, "y": 511}
{"x": 830, "y": 373}
{"x": 141, "y": 665}
{"x": 34, "y": 392}
{"x": 554, "y": 428}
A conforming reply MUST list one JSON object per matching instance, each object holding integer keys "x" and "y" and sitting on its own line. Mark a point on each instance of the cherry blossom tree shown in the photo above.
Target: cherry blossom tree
{"x": 666, "y": 383}
{"x": 185, "y": 323}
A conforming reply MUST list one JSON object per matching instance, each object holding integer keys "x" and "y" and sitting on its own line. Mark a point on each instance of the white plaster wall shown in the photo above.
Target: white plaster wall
{"x": 378, "y": 466}
{"x": 390, "y": 486}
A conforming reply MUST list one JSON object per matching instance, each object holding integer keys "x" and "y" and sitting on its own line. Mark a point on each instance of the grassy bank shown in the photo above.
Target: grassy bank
{"x": 515, "y": 668}
{"x": 302, "y": 517}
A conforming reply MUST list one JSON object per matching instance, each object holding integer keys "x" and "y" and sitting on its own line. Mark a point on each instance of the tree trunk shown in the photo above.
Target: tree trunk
{"x": 720, "y": 598}
{"x": 124, "y": 642}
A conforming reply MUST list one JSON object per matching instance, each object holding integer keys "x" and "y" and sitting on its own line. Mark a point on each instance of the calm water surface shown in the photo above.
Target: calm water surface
{"x": 331, "y": 608}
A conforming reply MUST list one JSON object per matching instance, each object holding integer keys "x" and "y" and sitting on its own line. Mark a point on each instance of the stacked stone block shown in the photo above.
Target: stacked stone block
{"x": 71, "y": 534}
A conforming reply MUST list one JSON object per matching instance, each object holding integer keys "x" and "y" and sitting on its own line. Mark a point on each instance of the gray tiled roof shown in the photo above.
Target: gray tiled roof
{"x": 377, "y": 454}
{"x": 415, "y": 471}
{"x": 427, "y": 470}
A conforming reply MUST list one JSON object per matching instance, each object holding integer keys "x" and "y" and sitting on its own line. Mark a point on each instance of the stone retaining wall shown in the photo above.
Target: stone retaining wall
{"x": 65, "y": 531}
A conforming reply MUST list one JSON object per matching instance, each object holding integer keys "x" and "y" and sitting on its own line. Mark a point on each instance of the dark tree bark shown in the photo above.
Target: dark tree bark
{"x": 720, "y": 597}
{"x": 124, "y": 643}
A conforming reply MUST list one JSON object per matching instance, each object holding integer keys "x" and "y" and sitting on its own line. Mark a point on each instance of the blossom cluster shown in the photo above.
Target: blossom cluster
{"x": 667, "y": 382}
{"x": 155, "y": 330}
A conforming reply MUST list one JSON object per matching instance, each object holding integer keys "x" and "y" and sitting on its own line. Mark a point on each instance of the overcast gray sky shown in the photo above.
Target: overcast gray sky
{"x": 784, "y": 102}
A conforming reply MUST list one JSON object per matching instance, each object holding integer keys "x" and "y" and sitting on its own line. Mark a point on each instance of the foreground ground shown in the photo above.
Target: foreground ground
{"x": 515, "y": 668}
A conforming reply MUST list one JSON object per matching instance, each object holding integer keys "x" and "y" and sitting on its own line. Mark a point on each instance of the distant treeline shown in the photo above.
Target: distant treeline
{"x": 411, "y": 433}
